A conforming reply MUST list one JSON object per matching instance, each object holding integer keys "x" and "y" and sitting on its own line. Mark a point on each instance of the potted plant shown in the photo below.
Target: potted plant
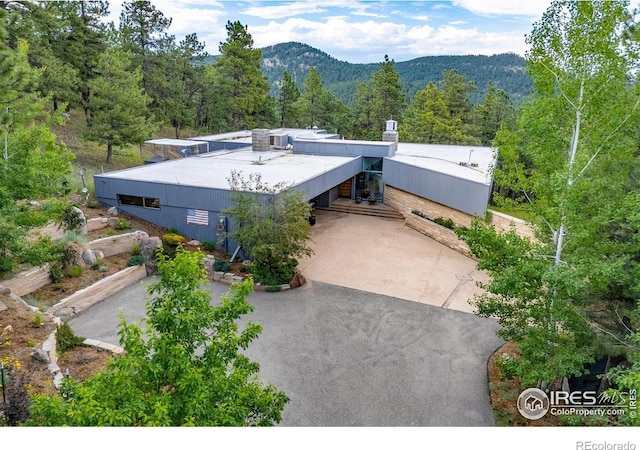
{"x": 358, "y": 199}
{"x": 372, "y": 199}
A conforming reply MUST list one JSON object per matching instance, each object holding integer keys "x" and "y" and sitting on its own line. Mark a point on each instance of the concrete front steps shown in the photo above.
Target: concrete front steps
{"x": 351, "y": 207}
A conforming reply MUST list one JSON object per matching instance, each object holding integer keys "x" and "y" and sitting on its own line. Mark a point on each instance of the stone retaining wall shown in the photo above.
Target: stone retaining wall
{"x": 438, "y": 233}
{"x": 97, "y": 292}
{"x": 406, "y": 202}
{"x": 503, "y": 223}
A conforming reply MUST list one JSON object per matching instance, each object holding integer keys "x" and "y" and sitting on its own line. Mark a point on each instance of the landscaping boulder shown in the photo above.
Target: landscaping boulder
{"x": 148, "y": 251}
{"x": 78, "y": 250}
{"x": 112, "y": 221}
{"x": 113, "y": 211}
{"x": 99, "y": 255}
{"x": 83, "y": 219}
{"x": 41, "y": 356}
{"x": 89, "y": 257}
{"x": 297, "y": 280}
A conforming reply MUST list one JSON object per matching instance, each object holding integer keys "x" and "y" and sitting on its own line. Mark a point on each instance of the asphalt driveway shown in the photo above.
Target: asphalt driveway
{"x": 346, "y": 357}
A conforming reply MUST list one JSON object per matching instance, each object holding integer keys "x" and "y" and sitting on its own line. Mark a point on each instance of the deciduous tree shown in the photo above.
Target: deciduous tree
{"x": 572, "y": 162}
{"x": 272, "y": 224}
{"x": 187, "y": 369}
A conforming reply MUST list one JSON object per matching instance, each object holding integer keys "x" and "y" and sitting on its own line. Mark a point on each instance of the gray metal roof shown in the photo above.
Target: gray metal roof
{"x": 212, "y": 169}
{"x": 455, "y": 160}
{"x": 175, "y": 142}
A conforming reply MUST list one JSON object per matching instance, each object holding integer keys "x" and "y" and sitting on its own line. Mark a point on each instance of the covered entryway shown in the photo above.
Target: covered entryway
{"x": 344, "y": 189}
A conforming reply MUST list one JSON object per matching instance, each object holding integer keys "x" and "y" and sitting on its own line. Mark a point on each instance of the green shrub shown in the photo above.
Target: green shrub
{"x": 271, "y": 274}
{"x": 41, "y": 251}
{"x": 172, "y": 230}
{"x": 209, "y": 246}
{"x": 135, "y": 250}
{"x": 508, "y": 366}
{"x": 31, "y": 342}
{"x": 246, "y": 269}
{"x": 36, "y": 322}
{"x": 221, "y": 266}
{"x": 273, "y": 288}
{"x": 173, "y": 239}
{"x": 56, "y": 272}
{"x": 447, "y": 223}
{"x": 73, "y": 236}
{"x": 69, "y": 220}
{"x": 74, "y": 271}
{"x": 122, "y": 224}
{"x": 103, "y": 268}
{"x": 135, "y": 260}
{"x": 66, "y": 339}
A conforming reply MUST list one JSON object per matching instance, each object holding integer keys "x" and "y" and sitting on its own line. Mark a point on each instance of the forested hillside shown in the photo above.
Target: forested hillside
{"x": 505, "y": 71}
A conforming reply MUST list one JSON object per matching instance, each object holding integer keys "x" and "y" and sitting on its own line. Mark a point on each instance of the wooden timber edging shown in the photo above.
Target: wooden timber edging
{"x": 89, "y": 296}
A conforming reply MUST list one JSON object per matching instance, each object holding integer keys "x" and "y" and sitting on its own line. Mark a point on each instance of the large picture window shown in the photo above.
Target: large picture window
{"x": 134, "y": 200}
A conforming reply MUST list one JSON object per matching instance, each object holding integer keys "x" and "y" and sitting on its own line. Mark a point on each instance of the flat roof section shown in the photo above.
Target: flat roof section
{"x": 175, "y": 142}
{"x": 211, "y": 170}
{"x": 462, "y": 161}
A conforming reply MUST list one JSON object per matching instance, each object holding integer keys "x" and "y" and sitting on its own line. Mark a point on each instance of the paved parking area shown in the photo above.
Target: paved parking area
{"x": 347, "y": 357}
{"x": 386, "y": 257}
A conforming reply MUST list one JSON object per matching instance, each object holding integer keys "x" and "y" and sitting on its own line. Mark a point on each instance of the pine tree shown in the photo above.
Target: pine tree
{"x": 118, "y": 103}
{"x": 287, "y": 107}
{"x": 244, "y": 89}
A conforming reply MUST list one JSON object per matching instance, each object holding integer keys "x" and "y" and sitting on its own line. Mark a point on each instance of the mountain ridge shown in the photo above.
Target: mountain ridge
{"x": 506, "y": 71}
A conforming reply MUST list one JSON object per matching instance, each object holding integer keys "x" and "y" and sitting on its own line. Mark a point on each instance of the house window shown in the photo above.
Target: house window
{"x": 134, "y": 200}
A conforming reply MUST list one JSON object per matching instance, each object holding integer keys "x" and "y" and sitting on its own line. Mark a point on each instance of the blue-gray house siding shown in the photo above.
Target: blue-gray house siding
{"x": 464, "y": 195}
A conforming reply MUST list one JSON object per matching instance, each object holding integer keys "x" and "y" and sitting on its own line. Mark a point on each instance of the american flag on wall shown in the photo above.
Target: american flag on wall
{"x": 198, "y": 216}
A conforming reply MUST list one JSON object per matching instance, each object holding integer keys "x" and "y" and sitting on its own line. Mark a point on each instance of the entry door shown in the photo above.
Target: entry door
{"x": 344, "y": 189}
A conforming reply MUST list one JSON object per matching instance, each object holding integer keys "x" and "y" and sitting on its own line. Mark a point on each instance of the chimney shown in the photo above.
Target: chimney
{"x": 391, "y": 135}
{"x": 260, "y": 140}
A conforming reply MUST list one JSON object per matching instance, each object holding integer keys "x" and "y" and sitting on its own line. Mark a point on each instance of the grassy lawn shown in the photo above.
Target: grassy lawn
{"x": 91, "y": 156}
{"x": 523, "y": 215}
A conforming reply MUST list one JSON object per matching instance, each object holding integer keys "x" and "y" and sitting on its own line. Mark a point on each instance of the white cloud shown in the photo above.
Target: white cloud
{"x": 284, "y": 11}
{"x": 453, "y": 40}
{"x": 529, "y": 8}
{"x": 369, "y": 41}
{"x": 422, "y": 18}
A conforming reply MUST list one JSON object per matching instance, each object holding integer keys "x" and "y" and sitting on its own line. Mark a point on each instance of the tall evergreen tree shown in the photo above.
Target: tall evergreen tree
{"x": 143, "y": 32}
{"x": 287, "y": 101}
{"x": 429, "y": 120}
{"x": 244, "y": 88}
{"x": 495, "y": 110}
{"x": 389, "y": 100}
{"x": 378, "y": 101}
{"x": 84, "y": 42}
{"x": 118, "y": 103}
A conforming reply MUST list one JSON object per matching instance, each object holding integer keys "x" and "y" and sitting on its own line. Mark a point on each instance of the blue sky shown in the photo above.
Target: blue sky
{"x": 363, "y": 31}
